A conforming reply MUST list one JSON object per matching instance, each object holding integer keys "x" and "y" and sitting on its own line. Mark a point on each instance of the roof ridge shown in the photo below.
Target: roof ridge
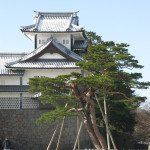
{"x": 11, "y": 54}
{"x": 53, "y": 22}
{"x": 50, "y": 64}
{"x": 56, "y": 12}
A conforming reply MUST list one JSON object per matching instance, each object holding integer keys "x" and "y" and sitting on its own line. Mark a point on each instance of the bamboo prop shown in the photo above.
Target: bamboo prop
{"x": 78, "y": 131}
{"x": 49, "y": 145}
{"x": 74, "y": 148}
{"x": 105, "y": 109}
{"x": 60, "y": 133}
{"x": 106, "y": 123}
{"x": 56, "y": 130}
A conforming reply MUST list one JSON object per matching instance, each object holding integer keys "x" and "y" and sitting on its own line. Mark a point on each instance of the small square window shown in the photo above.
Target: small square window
{"x": 36, "y": 76}
{"x": 43, "y": 41}
{"x": 67, "y": 41}
{"x": 63, "y": 41}
{"x": 42, "y": 76}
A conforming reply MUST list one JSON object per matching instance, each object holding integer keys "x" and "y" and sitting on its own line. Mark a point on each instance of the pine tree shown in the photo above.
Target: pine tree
{"x": 105, "y": 75}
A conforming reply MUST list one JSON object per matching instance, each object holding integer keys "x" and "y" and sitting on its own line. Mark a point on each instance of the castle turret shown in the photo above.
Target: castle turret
{"x": 62, "y": 26}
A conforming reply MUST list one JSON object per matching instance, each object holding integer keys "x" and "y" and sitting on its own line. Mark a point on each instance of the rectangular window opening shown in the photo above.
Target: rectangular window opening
{"x": 67, "y": 41}
{"x": 43, "y": 41}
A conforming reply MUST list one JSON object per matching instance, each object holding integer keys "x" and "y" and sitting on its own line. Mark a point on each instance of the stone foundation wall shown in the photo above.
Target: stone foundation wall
{"x": 21, "y": 129}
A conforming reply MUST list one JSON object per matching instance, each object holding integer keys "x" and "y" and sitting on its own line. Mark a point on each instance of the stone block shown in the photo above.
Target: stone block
{"x": 25, "y": 134}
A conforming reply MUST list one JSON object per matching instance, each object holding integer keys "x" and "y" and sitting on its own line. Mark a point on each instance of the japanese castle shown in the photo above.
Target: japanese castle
{"x": 59, "y": 42}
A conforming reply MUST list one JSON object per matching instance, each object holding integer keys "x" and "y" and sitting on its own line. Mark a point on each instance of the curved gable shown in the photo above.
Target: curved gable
{"x": 52, "y": 47}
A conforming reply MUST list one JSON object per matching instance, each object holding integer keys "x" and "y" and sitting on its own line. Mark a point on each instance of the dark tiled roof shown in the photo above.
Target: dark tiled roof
{"x": 44, "y": 64}
{"x": 14, "y": 88}
{"x": 7, "y": 58}
{"x": 80, "y": 44}
{"x": 9, "y": 72}
{"x": 21, "y": 61}
{"x": 29, "y": 28}
{"x": 54, "y": 22}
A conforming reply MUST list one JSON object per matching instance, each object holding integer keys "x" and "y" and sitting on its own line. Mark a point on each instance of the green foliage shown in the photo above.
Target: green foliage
{"x": 106, "y": 63}
{"x": 93, "y": 38}
{"x": 53, "y": 90}
{"x": 56, "y": 114}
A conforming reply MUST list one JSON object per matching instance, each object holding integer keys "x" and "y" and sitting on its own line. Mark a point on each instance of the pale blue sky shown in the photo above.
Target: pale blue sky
{"x": 125, "y": 21}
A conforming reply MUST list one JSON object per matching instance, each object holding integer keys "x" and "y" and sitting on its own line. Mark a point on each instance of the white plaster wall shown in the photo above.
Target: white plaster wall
{"x": 51, "y": 56}
{"x": 59, "y": 37}
{"x": 27, "y": 95}
{"x": 30, "y": 73}
{"x": 65, "y": 37}
{"x": 9, "y": 94}
{"x": 10, "y": 80}
{"x": 42, "y": 37}
{"x": 15, "y": 94}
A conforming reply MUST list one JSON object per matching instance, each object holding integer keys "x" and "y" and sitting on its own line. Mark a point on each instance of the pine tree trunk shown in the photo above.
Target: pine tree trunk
{"x": 88, "y": 122}
{"x": 96, "y": 130}
{"x": 91, "y": 133}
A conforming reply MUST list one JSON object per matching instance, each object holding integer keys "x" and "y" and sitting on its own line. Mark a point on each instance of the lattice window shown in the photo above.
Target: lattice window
{"x": 9, "y": 103}
{"x": 28, "y": 103}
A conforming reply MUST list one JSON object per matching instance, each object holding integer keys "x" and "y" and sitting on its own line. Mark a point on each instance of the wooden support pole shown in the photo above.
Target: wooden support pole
{"x": 106, "y": 123}
{"x": 62, "y": 125}
{"x": 78, "y": 131}
{"x": 78, "y": 136}
{"x": 60, "y": 133}
{"x": 105, "y": 110}
{"x": 49, "y": 145}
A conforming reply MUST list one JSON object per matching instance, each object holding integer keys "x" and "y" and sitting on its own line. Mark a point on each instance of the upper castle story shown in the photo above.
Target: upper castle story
{"x": 63, "y": 26}
{"x": 59, "y": 43}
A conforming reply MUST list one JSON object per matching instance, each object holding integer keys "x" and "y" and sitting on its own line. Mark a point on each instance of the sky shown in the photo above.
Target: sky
{"x": 126, "y": 21}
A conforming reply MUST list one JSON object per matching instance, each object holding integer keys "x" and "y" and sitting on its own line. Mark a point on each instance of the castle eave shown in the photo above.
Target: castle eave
{"x": 14, "y": 88}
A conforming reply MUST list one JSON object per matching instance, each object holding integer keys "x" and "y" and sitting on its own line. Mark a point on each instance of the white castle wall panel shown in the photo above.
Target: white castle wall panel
{"x": 58, "y": 37}
{"x": 10, "y": 80}
{"x": 30, "y": 73}
{"x": 51, "y": 56}
{"x": 9, "y": 94}
{"x": 15, "y": 94}
{"x": 65, "y": 37}
{"x": 27, "y": 94}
